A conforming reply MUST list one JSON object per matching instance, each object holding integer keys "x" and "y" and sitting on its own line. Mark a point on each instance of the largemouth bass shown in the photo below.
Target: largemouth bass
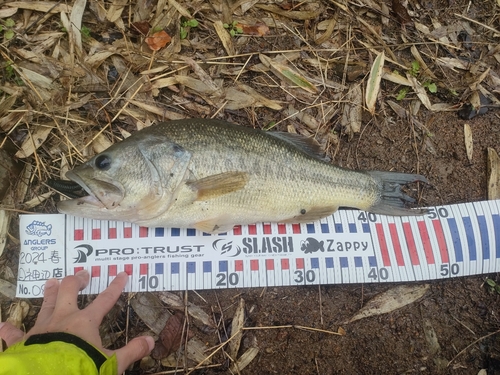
{"x": 212, "y": 175}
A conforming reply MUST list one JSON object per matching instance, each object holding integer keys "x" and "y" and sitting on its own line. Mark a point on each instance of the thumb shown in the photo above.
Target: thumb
{"x": 10, "y": 334}
{"x": 133, "y": 351}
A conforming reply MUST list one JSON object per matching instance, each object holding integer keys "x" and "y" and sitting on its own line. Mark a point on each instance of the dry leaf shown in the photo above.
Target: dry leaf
{"x": 353, "y": 111}
{"x": 170, "y": 337}
{"x": 237, "y": 330}
{"x": 158, "y": 40}
{"x": 391, "y": 300}
{"x": 244, "y": 360}
{"x": 373, "y": 85}
{"x": 141, "y": 27}
{"x": 33, "y": 140}
{"x": 151, "y": 311}
{"x": 493, "y": 174}
{"x": 468, "y": 141}
{"x": 420, "y": 91}
{"x": 258, "y": 29}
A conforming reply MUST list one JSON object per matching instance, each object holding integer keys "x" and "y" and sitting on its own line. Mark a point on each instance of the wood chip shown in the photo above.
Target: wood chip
{"x": 237, "y": 330}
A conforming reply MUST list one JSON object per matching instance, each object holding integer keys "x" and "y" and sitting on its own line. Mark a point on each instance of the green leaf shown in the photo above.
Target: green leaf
{"x": 232, "y": 32}
{"x": 373, "y": 84}
{"x": 298, "y": 80}
{"x": 192, "y": 23}
{"x": 402, "y": 93}
{"x": 432, "y": 87}
{"x": 415, "y": 67}
{"x": 184, "y": 33}
{"x": 9, "y": 34}
{"x": 226, "y": 26}
{"x": 9, "y": 22}
{"x": 491, "y": 282}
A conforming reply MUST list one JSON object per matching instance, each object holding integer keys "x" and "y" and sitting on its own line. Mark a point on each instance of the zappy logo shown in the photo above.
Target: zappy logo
{"x": 39, "y": 228}
{"x": 311, "y": 245}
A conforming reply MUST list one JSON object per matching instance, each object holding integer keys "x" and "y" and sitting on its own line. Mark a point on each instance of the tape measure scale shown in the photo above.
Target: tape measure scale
{"x": 347, "y": 247}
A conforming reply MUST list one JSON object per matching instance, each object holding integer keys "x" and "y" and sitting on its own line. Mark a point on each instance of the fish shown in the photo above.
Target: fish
{"x": 211, "y": 175}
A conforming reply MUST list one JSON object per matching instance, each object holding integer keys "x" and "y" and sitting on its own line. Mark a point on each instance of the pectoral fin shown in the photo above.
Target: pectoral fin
{"x": 220, "y": 184}
{"x": 312, "y": 214}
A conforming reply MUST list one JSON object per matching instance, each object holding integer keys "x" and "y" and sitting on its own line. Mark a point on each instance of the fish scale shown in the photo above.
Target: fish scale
{"x": 349, "y": 246}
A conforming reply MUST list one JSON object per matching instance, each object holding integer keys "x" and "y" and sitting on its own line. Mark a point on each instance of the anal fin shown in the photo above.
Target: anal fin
{"x": 214, "y": 225}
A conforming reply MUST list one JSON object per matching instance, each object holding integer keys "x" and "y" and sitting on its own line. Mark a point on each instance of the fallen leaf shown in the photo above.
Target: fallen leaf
{"x": 158, "y": 40}
{"x": 373, "y": 85}
{"x": 353, "y": 111}
{"x": 401, "y": 13}
{"x": 493, "y": 174}
{"x": 141, "y": 27}
{"x": 170, "y": 337}
{"x": 258, "y": 29}
{"x": 236, "y": 329}
{"x": 468, "y": 141}
{"x": 33, "y": 140}
{"x": 391, "y": 300}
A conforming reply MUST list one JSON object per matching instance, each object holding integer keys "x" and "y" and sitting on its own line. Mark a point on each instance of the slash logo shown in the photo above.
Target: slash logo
{"x": 224, "y": 247}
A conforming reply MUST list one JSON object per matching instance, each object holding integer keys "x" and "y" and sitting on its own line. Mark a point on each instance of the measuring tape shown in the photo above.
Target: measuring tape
{"x": 347, "y": 247}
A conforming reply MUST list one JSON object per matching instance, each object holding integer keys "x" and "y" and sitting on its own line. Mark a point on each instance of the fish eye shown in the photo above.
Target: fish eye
{"x": 103, "y": 162}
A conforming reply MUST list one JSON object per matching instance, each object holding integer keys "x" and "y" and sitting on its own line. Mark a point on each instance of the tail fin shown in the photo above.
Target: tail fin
{"x": 392, "y": 200}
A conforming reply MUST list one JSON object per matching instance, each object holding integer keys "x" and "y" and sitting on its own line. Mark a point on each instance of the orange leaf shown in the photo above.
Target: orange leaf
{"x": 158, "y": 40}
{"x": 259, "y": 29}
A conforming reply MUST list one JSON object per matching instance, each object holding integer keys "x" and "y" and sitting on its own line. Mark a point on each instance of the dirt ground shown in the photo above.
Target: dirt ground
{"x": 461, "y": 314}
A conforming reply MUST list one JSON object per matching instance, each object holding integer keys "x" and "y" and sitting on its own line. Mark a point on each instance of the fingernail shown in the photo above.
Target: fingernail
{"x": 50, "y": 283}
{"x": 151, "y": 342}
{"x": 82, "y": 273}
{"x": 122, "y": 273}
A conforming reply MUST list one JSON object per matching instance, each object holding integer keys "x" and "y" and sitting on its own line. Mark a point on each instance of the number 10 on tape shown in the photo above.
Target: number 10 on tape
{"x": 347, "y": 247}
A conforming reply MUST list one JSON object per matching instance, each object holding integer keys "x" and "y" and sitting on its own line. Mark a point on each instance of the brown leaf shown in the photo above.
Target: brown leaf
{"x": 170, "y": 337}
{"x": 141, "y": 27}
{"x": 258, "y": 29}
{"x": 158, "y": 40}
{"x": 401, "y": 13}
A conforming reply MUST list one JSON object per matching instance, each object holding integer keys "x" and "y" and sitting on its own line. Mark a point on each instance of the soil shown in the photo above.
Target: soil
{"x": 461, "y": 314}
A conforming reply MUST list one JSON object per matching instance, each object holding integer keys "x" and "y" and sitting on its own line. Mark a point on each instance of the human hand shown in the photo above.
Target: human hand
{"x": 60, "y": 313}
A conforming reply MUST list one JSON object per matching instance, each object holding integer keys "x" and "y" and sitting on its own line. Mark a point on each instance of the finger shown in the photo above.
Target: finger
{"x": 10, "y": 334}
{"x": 68, "y": 292}
{"x": 133, "y": 351}
{"x": 107, "y": 299}
{"x": 49, "y": 300}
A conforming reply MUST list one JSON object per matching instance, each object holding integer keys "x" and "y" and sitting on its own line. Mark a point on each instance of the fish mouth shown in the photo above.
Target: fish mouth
{"x": 101, "y": 194}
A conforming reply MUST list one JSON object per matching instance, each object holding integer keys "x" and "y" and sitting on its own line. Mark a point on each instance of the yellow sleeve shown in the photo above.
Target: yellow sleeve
{"x": 56, "y": 353}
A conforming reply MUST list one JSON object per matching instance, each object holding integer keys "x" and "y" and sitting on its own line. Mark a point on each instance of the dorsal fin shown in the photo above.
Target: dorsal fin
{"x": 308, "y": 145}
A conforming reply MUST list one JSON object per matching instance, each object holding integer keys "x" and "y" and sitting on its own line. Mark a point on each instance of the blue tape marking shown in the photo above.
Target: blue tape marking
{"x": 310, "y": 228}
{"x": 343, "y": 262}
{"x": 159, "y": 232}
{"x": 329, "y": 262}
{"x": 470, "y": 238}
{"x": 174, "y": 267}
{"x": 175, "y": 232}
{"x": 314, "y": 263}
{"x": 339, "y": 228}
{"x": 483, "y": 231}
{"x": 191, "y": 232}
{"x": 366, "y": 227}
{"x": 352, "y": 228}
{"x": 207, "y": 266}
{"x": 457, "y": 245}
{"x": 206, "y": 234}
{"x": 496, "y": 227}
{"x": 223, "y": 266}
{"x": 325, "y": 228}
{"x": 358, "y": 262}
{"x": 159, "y": 268}
{"x": 372, "y": 261}
{"x": 191, "y": 267}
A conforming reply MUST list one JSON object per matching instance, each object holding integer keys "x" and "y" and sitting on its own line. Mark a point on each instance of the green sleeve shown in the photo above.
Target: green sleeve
{"x": 56, "y": 353}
